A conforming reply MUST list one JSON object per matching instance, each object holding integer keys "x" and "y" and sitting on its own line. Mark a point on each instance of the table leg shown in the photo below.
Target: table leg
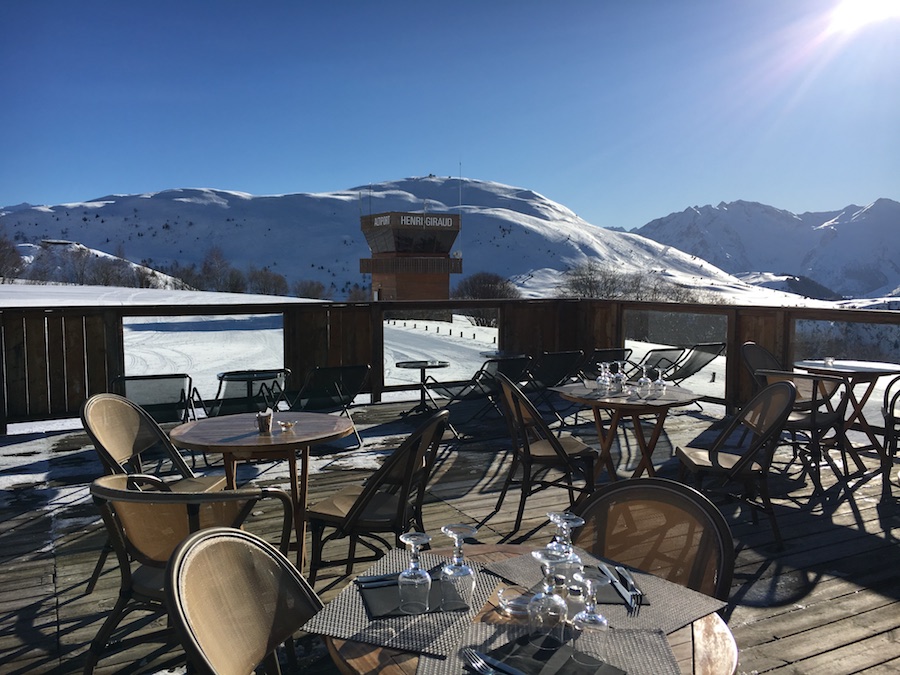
{"x": 647, "y": 447}
{"x": 856, "y": 412}
{"x": 300, "y": 497}
{"x": 606, "y": 440}
{"x": 230, "y": 470}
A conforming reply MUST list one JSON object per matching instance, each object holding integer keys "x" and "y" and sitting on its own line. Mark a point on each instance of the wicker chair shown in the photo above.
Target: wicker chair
{"x": 389, "y": 502}
{"x": 662, "y": 527}
{"x": 124, "y": 435}
{"x": 233, "y": 599}
{"x": 145, "y": 521}
{"x": 539, "y": 452}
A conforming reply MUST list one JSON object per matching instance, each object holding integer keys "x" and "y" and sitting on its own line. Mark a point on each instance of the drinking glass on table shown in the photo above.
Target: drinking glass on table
{"x": 590, "y": 627}
{"x": 643, "y": 384}
{"x": 457, "y": 578}
{"x": 619, "y": 379}
{"x": 547, "y": 610}
{"x": 658, "y": 386}
{"x": 604, "y": 380}
{"x": 414, "y": 582}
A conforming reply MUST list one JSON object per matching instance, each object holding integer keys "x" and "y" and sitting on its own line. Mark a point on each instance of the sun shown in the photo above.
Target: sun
{"x": 852, "y": 15}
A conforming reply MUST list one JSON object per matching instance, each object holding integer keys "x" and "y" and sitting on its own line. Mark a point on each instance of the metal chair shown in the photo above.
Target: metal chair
{"x": 389, "y": 502}
{"x": 539, "y": 452}
{"x": 484, "y": 385}
{"x": 662, "y": 527}
{"x": 890, "y": 411}
{"x": 755, "y": 358}
{"x": 550, "y": 370}
{"x": 693, "y": 361}
{"x": 820, "y": 407}
{"x": 124, "y": 435}
{"x": 242, "y": 391}
{"x": 233, "y": 599}
{"x": 165, "y": 397}
{"x": 329, "y": 389}
{"x": 738, "y": 471}
{"x": 145, "y": 521}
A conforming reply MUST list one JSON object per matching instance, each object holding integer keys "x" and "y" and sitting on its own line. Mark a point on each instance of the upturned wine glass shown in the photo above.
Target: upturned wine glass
{"x": 619, "y": 379}
{"x": 414, "y": 582}
{"x": 643, "y": 384}
{"x": 546, "y": 610}
{"x": 604, "y": 380}
{"x": 457, "y": 578}
{"x": 562, "y": 541}
{"x": 658, "y": 386}
{"x": 589, "y": 625}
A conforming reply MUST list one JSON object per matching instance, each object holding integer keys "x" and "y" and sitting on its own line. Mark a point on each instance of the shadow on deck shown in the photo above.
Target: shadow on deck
{"x": 827, "y": 603}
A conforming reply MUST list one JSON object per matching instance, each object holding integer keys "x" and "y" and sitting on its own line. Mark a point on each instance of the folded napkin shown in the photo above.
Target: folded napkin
{"x": 550, "y": 658}
{"x": 382, "y": 601}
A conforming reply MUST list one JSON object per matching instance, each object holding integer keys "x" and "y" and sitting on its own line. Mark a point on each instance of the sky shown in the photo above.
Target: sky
{"x": 622, "y": 110}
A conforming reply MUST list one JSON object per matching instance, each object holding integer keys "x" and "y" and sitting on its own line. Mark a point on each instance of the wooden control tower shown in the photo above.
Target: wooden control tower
{"x": 410, "y": 254}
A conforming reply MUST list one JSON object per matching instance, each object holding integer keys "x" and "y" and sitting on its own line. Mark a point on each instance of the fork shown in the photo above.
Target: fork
{"x": 636, "y": 593}
{"x": 477, "y": 663}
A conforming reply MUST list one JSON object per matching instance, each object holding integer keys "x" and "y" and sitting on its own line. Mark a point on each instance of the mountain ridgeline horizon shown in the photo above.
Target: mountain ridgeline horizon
{"x": 510, "y": 231}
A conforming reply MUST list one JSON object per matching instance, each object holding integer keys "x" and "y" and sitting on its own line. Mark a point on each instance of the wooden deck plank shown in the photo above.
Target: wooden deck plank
{"x": 827, "y": 603}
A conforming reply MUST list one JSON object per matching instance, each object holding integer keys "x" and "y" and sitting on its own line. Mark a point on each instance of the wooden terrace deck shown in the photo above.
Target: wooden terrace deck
{"x": 827, "y": 603}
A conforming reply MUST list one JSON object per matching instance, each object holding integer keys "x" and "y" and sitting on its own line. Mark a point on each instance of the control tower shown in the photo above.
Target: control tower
{"x": 410, "y": 254}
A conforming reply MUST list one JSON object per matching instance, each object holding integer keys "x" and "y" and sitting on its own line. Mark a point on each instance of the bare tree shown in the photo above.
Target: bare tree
{"x": 266, "y": 282}
{"x": 485, "y": 286}
{"x": 307, "y": 288}
{"x": 10, "y": 260}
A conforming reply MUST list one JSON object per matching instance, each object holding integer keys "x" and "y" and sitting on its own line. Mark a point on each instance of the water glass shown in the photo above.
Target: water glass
{"x": 590, "y": 629}
{"x": 547, "y": 611}
{"x": 414, "y": 582}
{"x": 457, "y": 578}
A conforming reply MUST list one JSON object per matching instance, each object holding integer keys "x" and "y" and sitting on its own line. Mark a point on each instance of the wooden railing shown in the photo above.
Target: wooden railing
{"x": 53, "y": 359}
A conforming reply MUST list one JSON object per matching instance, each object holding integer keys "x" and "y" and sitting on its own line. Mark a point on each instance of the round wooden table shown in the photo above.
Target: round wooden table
{"x": 237, "y": 438}
{"x": 706, "y": 647}
{"x": 621, "y": 406}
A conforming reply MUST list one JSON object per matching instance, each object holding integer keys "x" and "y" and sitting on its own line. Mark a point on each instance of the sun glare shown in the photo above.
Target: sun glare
{"x": 851, "y": 15}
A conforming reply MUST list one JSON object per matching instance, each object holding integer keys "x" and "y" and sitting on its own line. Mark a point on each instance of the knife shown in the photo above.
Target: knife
{"x": 371, "y": 578}
{"x": 620, "y": 589}
{"x": 499, "y": 666}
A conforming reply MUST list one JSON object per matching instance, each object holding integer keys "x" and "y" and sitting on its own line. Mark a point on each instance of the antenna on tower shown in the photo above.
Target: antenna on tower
{"x": 459, "y": 206}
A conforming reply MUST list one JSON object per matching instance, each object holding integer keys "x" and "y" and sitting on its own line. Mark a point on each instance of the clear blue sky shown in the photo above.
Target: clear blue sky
{"x": 623, "y": 110}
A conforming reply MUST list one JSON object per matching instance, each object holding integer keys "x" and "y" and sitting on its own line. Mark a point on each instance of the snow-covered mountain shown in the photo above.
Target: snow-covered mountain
{"x": 854, "y": 251}
{"x": 510, "y": 231}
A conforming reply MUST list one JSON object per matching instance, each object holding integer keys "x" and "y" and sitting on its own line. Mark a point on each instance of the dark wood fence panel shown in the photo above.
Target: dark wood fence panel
{"x": 53, "y": 359}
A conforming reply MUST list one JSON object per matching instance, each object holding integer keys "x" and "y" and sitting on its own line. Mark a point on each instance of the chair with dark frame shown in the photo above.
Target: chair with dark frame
{"x": 755, "y": 358}
{"x": 126, "y": 438}
{"x": 820, "y": 407}
{"x": 551, "y": 370}
{"x": 662, "y": 527}
{"x": 243, "y": 391}
{"x": 695, "y": 359}
{"x": 890, "y": 411}
{"x": 165, "y": 397}
{"x": 739, "y": 469}
{"x": 233, "y": 600}
{"x": 330, "y": 389}
{"x": 483, "y": 386}
{"x": 590, "y": 368}
{"x": 145, "y": 522}
{"x": 539, "y": 452}
{"x": 390, "y": 501}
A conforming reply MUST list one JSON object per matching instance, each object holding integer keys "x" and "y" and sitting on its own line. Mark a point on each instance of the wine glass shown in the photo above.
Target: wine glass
{"x": 414, "y": 582}
{"x": 457, "y": 578}
{"x": 643, "y": 384}
{"x": 603, "y": 380}
{"x": 546, "y": 610}
{"x": 619, "y": 379}
{"x": 589, "y": 625}
{"x": 562, "y": 541}
{"x": 658, "y": 386}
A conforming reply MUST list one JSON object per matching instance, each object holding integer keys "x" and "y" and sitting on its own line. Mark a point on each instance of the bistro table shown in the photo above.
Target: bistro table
{"x": 422, "y": 366}
{"x": 704, "y": 647}
{"x": 865, "y": 375}
{"x": 627, "y": 405}
{"x": 237, "y": 438}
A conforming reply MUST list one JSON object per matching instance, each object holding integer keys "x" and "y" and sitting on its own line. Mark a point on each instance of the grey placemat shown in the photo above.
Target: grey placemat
{"x": 670, "y": 606}
{"x": 637, "y": 652}
{"x": 438, "y": 633}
